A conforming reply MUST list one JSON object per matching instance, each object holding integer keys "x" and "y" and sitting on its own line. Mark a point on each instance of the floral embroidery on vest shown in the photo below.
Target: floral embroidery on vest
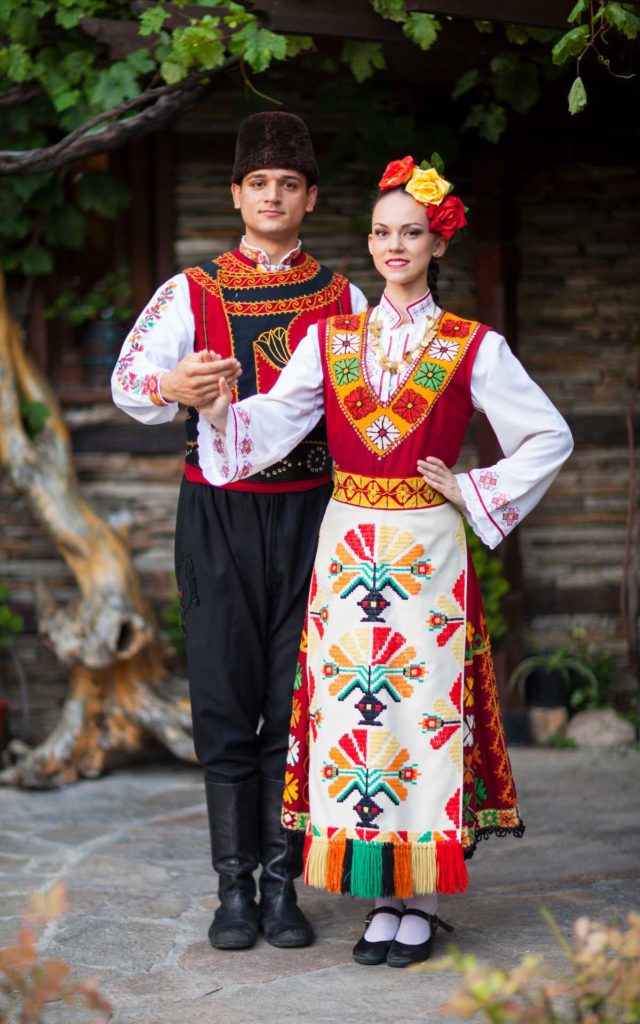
{"x": 383, "y": 426}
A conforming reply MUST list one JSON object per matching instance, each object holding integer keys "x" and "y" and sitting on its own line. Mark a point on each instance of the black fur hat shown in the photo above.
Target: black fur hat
{"x": 274, "y": 138}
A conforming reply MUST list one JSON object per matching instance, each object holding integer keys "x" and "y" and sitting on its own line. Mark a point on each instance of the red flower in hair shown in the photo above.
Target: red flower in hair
{"x": 448, "y": 217}
{"x": 396, "y": 173}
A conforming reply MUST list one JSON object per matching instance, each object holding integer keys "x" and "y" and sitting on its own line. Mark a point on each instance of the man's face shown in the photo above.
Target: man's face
{"x": 273, "y": 203}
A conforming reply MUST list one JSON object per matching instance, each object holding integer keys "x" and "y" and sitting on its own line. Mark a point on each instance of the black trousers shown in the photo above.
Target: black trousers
{"x": 243, "y": 565}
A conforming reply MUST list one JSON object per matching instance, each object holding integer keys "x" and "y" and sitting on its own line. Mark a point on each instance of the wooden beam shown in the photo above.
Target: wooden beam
{"x": 538, "y": 13}
{"x": 336, "y": 19}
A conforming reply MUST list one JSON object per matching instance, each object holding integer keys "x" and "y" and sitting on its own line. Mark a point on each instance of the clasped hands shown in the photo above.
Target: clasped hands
{"x": 197, "y": 380}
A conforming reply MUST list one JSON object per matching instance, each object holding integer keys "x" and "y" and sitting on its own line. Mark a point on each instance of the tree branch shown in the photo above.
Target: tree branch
{"x": 166, "y": 102}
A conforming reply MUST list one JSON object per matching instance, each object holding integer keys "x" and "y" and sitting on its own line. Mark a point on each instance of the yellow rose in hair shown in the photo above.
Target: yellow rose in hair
{"x": 427, "y": 187}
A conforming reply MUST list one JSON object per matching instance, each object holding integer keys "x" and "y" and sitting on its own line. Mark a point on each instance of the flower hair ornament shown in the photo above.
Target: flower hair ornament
{"x": 445, "y": 212}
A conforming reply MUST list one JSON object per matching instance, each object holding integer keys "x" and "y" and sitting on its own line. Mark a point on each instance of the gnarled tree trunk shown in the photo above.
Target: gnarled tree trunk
{"x": 109, "y": 638}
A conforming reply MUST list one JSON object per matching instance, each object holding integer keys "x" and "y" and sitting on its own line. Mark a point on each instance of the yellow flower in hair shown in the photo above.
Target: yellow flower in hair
{"x": 427, "y": 187}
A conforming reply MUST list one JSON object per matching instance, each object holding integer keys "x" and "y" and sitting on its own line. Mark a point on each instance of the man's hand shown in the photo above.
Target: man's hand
{"x": 194, "y": 381}
{"x": 438, "y": 475}
{"x": 216, "y": 412}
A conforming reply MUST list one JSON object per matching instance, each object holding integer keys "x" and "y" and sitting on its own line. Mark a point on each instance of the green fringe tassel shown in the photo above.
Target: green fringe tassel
{"x": 366, "y": 869}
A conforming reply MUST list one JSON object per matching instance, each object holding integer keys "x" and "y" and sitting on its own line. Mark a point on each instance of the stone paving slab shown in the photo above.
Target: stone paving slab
{"x": 133, "y": 850}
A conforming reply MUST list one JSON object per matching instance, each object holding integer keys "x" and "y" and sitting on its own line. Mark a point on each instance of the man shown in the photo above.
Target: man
{"x": 244, "y": 552}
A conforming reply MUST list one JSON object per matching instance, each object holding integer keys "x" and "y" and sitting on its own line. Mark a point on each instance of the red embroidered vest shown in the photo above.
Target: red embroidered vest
{"x": 428, "y": 414}
{"x": 260, "y": 318}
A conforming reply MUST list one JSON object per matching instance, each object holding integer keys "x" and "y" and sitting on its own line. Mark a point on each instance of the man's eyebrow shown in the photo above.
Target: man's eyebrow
{"x": 257, "y": 175}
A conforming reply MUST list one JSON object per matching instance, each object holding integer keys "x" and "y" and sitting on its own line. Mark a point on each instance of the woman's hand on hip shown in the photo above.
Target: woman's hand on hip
{"x": 438, "y": 475}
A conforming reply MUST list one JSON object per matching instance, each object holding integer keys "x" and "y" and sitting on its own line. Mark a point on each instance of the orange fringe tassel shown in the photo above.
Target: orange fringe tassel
{"x": 335, "y": 860}
{"x": 402, "y": 871}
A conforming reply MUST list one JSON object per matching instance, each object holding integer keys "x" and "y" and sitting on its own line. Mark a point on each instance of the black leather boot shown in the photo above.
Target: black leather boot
{"x": 281, "y": 919}
{"x": 234, "y": 826}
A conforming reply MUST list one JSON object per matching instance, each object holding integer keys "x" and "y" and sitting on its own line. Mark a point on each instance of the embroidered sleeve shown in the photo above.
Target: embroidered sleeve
{"x": 263, "y": 429}
{"x": 533, "y": 436}
{"x": 161, "y": 336}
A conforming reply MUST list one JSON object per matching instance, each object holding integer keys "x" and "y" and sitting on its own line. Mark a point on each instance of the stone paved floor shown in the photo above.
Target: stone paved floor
{"x": 133, "y": 850}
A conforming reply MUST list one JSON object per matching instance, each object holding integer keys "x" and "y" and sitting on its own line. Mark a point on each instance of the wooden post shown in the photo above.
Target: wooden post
{"x": 141, "y": 227}
{"x": 495, "y": 271}
{"x": 164, "y": 213}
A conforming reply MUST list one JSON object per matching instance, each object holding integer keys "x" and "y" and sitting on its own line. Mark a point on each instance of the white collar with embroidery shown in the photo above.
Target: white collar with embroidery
{"x": 391, "y": 315}
{"x": 261, "y": 259}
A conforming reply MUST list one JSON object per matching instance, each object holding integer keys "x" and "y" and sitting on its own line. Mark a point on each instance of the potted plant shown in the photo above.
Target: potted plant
{"x": 567, "y": 678}
{"x": 102, "y": 312}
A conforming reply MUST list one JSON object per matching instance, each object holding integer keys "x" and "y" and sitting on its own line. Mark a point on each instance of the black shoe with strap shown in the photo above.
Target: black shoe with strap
{"x": 372, "y": 953}
{"x": 401, "y": 954}
{"x": 234, "y": 825}
{"x": 281, "y": 919}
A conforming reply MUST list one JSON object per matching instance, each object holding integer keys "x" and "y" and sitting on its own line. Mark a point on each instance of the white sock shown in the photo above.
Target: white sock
{"x": 383, "y": 927}
{"x": 414, "y": 930}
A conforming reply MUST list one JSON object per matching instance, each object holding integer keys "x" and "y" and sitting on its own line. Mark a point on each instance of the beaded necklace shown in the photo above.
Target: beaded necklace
{"x": 394, "y": 366}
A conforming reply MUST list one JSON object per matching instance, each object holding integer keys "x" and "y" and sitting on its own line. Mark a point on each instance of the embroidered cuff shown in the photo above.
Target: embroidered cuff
{"x": 491, "y": 509}
{"x": 224, "y": 456}
{"x": 159, "y": 394}
{"x": 476, "y": 514}
{"x": 152, "y": 388}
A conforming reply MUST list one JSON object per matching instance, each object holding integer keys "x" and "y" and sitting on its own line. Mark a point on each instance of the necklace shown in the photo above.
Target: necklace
{"x": 374, "y": 330}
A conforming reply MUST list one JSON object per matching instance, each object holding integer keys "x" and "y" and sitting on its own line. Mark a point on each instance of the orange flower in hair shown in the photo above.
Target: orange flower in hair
{"x": 396, "y": 173}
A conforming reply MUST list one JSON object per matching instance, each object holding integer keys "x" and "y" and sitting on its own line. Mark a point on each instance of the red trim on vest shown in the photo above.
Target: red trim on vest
{"x": 195, "y": 476}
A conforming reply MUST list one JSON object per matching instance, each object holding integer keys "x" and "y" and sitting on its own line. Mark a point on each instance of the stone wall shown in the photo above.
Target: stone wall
{"x": 578, "y": 312}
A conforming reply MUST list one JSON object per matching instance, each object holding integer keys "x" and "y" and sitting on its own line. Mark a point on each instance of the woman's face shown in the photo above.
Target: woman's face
{"x": 400, "y": 241}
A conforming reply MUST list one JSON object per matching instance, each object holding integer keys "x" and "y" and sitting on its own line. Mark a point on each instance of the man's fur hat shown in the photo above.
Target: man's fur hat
{"x": 274, "y": 138}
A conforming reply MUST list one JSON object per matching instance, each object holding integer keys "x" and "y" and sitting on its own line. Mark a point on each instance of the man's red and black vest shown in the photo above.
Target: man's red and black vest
{"x": 260, "y": 317}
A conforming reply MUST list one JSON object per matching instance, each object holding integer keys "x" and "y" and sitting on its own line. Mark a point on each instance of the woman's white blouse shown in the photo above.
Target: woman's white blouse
{"x": 531, "y": 432}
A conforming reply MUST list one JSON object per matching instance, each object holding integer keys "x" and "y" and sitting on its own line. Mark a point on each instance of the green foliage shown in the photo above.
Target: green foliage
{"x": 586, "y": 671}
{"x": 392, "y": 10}
{"x": 493, "y": 583}
{"x": 11, "y": 624}
{"x": 363, "y": 58}
{"x": 467, "y": 81}
{"x": 593, "y": 23}
{"x": 558, "y": 742}
{"x": 34, "y": 415}
{"x": 110, "y": 298}
{"x": 622, "y": 17}
{"x": 599, "y": 985}
{"x": 571, "y": 44}
{"x": 515, "y": 82}
{"x": 422, "y": 29}
{"x": 171, "y": 617}
{"x": 577, "y": 96}
{"x": 490, "y": 120}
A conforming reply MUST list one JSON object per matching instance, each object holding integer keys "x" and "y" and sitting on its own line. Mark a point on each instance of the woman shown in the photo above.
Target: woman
{"x": 397, "y": 763}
